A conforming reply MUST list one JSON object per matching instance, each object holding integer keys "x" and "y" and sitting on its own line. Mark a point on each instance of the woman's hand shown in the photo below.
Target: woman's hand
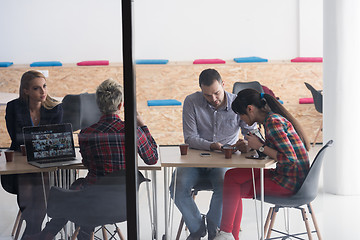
{"x": 254, "y": 142}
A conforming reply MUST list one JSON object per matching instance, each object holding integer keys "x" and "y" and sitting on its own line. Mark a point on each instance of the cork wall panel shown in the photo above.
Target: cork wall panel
{"x": 176, "y": 81}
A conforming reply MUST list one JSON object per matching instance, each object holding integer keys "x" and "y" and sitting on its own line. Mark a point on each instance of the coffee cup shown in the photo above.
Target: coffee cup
{"x": 184, "y": 148}
{"x": 23, "y": 150}
{"x": 228, "y": 151}
{"x": 9, "y": 155}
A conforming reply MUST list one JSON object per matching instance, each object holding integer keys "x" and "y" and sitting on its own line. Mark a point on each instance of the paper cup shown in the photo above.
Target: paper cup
{"x": 228, "y": 151}
{"x": 23, "y": 150}
{"x": 184, "y": 148}
{"x": 9, "y": 155}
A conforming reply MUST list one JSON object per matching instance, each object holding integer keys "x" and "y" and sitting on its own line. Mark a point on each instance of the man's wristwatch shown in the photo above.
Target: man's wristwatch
{"x": 262, "y": 148}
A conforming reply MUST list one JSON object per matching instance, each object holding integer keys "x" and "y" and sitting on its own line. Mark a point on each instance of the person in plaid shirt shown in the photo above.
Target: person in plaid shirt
{"x": 102, "y": 147}
{"x": 284, "y": 141}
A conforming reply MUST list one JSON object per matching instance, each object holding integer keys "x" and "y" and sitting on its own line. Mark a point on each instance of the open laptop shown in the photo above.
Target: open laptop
{"x": 50, "y": 145}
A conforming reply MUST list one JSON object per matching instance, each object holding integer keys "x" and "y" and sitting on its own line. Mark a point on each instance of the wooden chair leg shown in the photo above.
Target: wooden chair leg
{"x": 181, "y": 225}
{"x": 317, "y": 229}
{"x": 16, "y": 224}
{"x": 306, "y": 220}
{"x": 92, "y": 235}
{"x": 273, "y": 217}
{"x": 121, "y": 236}
{"x": 18, "y": 229}
{"x": 77, "y": 230}
{"x": 267, "y": 222}
{"x": 317, "y": 134}
{"x": 104, "y": 233}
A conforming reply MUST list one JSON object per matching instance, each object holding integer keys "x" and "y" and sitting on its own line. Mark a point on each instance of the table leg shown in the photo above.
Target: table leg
{"x": 262, "y": 202}
{"x": 166, "y": 202}
{"x": 155, "y": 220}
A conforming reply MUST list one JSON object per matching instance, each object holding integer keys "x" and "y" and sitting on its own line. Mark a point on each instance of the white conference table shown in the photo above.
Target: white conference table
{"x": 170, "y": 157}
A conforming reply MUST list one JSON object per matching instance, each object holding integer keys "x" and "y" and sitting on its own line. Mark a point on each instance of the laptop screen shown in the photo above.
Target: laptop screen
{"x": 49, "y": 142}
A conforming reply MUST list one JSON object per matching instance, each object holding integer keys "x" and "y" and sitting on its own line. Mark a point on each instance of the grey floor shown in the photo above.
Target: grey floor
{"x": 338, "y": 216}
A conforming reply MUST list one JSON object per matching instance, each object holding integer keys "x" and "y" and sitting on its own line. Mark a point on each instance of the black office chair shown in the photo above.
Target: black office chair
{"x": 318, "y": 102}
{"x": 304, "y": 196}
{"x": 97, "y": 205}
{"x": 80, "y": 110}
{"x": 238, "y": 86}
{"x": 201, "y": 186}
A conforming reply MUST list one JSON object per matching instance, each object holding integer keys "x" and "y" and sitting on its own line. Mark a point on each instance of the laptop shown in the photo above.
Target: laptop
{"x": 50, "y": 145}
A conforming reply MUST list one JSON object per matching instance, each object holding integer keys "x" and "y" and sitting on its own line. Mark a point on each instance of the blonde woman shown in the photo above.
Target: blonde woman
{"x": 33, "y": 107}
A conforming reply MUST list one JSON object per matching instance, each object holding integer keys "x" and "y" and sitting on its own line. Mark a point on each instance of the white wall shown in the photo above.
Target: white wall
{"x": 72, "y": 31}
{"x": 311, "y": 28}
{"x": 341, "y": 91}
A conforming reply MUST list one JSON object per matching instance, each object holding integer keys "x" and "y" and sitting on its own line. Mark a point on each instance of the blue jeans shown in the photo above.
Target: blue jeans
{"x": 186, "y": 179}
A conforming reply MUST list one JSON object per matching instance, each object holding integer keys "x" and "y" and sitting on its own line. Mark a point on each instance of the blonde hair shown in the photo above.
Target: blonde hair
{"x": 109, "y": 96}
{"x": 25, "y": 81}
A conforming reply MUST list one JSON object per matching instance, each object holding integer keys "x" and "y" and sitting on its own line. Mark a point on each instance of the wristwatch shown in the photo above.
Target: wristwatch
{"x": 262, "y": 148}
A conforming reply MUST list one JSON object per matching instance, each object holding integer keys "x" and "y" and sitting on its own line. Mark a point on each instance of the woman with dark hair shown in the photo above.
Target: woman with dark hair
{"x": 33, "y": 107}
{"x": 285, "y": 142}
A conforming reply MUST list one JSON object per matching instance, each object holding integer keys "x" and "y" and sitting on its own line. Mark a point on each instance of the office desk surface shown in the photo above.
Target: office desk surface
{"x": 170, "y": 157}
{"x": 141, "y": 164}
{"x": 19, "y": 165}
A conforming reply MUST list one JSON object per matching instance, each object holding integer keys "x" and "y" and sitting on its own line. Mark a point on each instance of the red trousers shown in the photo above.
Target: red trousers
{"x": 238, "y": 184}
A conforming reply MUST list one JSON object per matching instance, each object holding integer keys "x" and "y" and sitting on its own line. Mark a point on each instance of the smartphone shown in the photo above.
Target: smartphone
{"x": 204, "y": 154}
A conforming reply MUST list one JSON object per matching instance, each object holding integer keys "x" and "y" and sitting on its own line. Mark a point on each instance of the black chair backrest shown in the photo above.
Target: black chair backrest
{"x": 309, "y": 188}
{"x": 238, "y": 86}
{"x": 80, "y": 110}
{"x": 89, "y": 110}
{"x": 317, "y": 96}
{"x": 71, "y": 110}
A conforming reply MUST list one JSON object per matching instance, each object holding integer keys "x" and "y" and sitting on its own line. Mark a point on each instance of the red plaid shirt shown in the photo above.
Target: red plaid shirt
{"x": 292, "y": 159}
{"x": 102, "y": 146}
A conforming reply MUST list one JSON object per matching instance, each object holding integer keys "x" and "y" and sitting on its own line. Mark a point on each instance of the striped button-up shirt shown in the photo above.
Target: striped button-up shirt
{"x": 292, "y": 158}
{"x": 102, "y": 147}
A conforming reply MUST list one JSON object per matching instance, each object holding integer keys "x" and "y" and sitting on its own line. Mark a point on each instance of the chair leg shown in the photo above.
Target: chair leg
{"x": 104, "y": 233}
{"x": 16, "y": 224}
{"x": 181, "y": 225}
{"x": 92, "y": 235}
{"x": 267, "y": 222}
{"x": 121, "y": 236}
{"x": 305, "y": 218}
{"x": 18, "y": 228}
{"x": 75, "y": 233}
{"x": 314, "y": 221}
{"x": 273, "y": 217}
{"x": 317, "y": 134}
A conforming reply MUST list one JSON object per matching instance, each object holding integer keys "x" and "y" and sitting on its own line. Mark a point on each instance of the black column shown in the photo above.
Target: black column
{"x": 130, "y": 121}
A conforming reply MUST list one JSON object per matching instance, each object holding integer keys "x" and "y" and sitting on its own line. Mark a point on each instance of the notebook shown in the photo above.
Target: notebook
{"x": 50, "y": 145}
